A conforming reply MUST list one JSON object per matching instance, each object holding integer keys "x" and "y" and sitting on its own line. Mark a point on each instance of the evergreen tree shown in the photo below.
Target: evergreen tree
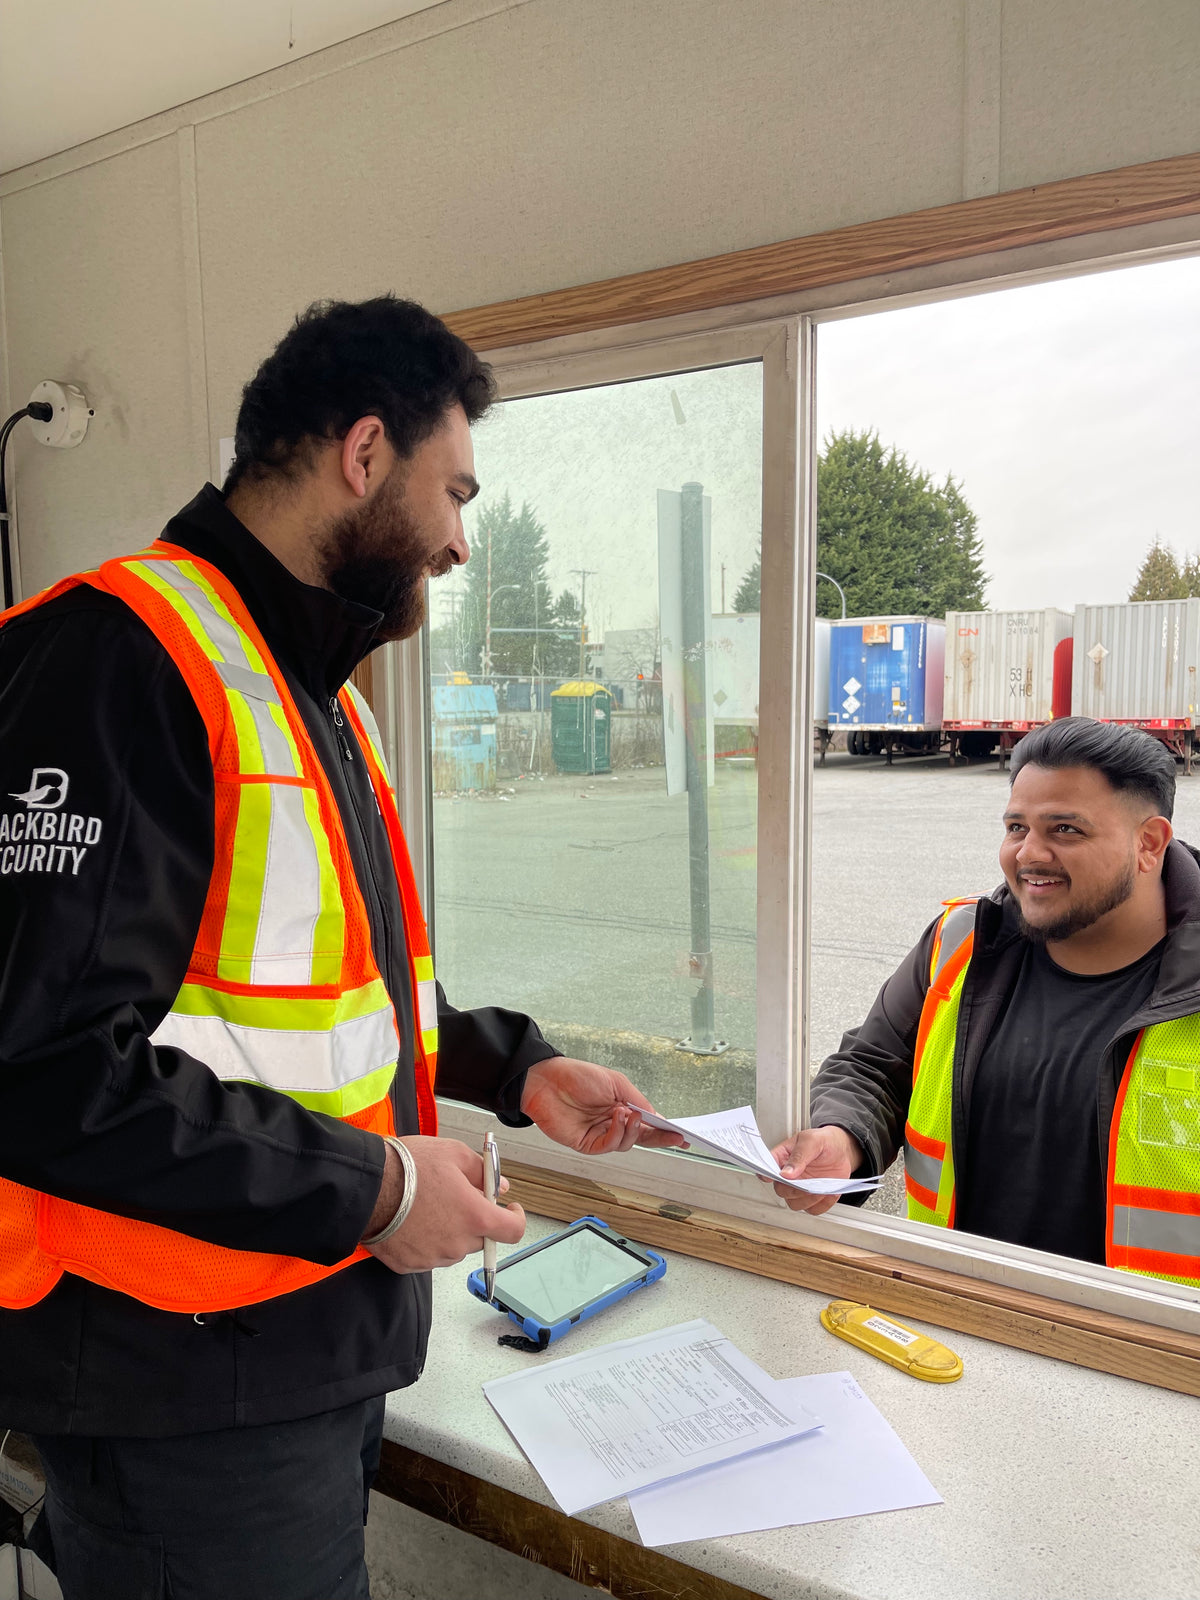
{"x": 895, "y": 541}
{"x": 1160, "y": 577}
{"x": 749, "y": 595}
{"x": 520, "y": 596}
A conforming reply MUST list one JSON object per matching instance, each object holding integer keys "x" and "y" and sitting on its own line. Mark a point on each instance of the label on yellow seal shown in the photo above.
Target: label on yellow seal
{"x": 905, "y": 1348}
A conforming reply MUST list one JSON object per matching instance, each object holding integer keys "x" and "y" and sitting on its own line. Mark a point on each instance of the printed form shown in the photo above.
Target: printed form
{"x": 735, "y": 1136}
{"x": 643, "y": 1411}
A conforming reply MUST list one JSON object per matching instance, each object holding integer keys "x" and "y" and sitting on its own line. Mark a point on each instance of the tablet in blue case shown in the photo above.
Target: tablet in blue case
{"x": 548, "y": 1287}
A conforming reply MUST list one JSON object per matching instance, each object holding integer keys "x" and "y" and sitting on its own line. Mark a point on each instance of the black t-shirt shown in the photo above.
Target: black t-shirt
{"x": 1032, "y": 1171}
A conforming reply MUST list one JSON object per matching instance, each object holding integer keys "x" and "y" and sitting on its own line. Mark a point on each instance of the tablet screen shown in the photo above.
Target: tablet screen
{"x": 567, "y": 1274}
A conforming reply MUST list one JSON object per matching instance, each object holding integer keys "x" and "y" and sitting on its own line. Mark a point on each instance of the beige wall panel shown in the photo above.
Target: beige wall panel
{"x": 1088, "y": 85}
{"x": 94, "y": 289}
{"x": 563, "y": 142}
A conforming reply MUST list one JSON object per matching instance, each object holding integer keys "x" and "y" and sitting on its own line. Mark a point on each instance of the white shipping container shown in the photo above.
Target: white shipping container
{"x": 1000, "y": 667}
{"x": 821, "y": 633}
{"x": 1138, "y": 662}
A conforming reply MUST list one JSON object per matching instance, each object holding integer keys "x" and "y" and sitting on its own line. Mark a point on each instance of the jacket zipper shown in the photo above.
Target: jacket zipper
{"x": 339, "y": 728}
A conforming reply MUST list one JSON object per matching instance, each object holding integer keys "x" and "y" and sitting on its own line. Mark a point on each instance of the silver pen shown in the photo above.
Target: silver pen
{"x": 491, "y": 1189}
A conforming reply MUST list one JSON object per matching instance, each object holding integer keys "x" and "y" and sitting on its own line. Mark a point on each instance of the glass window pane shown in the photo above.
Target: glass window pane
{"x": 582, "y": 663}
{"x": 992, "y": 468}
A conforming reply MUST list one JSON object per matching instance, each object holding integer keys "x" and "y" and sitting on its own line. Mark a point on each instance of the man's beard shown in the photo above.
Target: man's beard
{"x": 1082, "y": 916}
{"x": 377, "y": 557}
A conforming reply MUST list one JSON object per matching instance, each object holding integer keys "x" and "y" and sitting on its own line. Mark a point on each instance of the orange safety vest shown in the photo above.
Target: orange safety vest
{"x": 1152, "y": 1193}
{"x": 282, "y": 988}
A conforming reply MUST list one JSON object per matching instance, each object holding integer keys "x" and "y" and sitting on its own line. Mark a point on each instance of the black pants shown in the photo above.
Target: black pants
{"x": 269, "y": 1513}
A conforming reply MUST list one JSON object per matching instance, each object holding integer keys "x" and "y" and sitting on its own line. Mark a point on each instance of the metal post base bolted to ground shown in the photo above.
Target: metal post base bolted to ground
{"x": 696, "y": 607}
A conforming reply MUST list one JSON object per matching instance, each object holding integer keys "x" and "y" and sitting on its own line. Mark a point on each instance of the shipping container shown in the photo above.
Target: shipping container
{"x": 1138, "y": 663}
{"x": 886, "y": 681}
{"x": 1001, "y": 669}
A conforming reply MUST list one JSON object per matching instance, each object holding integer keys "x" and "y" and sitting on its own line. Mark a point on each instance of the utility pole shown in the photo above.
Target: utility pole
{"x": 487, "y": 627}
{"x": 722, "y": 588}
{"x": 583, "y": 574}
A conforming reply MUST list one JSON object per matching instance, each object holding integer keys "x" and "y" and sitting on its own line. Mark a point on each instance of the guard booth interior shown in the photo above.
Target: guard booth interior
{"x": 581, "y": 727}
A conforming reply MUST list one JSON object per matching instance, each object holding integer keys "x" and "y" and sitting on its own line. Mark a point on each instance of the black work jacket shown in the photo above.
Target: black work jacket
{"x": 93, "y": 949}
{"x": 865, "y": 1086}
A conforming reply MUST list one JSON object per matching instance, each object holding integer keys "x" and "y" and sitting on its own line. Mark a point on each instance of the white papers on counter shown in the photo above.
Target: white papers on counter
{"x": 735, "y": 1136}
{"x": 854, "y": 1465}
{"x": 642, "y": 1411}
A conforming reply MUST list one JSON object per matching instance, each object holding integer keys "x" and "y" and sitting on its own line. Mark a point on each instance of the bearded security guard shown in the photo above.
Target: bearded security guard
{"x": 1038, "y": 1052}
{"x": 221, "y": 1189}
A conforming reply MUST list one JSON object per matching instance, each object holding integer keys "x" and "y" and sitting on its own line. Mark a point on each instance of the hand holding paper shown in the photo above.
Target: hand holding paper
{"x": 734, "y": 1136}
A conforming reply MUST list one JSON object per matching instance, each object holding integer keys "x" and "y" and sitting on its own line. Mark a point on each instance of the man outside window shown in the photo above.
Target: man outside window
{"x": 220, "y": 1187}
{"x": 1038, "y": 1052}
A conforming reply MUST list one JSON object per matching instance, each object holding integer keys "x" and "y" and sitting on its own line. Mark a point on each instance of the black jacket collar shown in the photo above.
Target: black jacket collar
{"x": 315, "y": 634}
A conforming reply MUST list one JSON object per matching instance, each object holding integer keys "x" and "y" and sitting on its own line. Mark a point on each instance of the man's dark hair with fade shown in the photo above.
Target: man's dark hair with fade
{"x": 1133, "y": 762}
{"x": 388, "y": 358}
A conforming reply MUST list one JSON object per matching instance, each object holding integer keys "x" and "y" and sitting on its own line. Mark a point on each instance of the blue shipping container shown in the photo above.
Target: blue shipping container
{"x": 464, "y": 736}
{"x": 887, "y": 672}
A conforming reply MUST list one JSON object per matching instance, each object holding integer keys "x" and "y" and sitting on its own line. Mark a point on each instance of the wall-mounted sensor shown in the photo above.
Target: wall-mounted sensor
{"x": 69, "y": 418}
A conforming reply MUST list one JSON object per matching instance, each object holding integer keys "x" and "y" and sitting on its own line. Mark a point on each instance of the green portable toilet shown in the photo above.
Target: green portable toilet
{"x": 581, "y": 727}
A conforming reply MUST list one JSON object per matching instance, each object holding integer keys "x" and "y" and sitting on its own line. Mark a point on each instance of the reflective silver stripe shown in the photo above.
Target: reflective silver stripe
{"x": 1172, "y": 1233}
{"x": 371, "y": 728}
{"x": 227, "y": 638}
{"x": 957, "y": 926}
{"x": 276, "y": 751}
{"x": 427, "y": 1011}
{"x": 259, "y": 684}
{"x": 291, "y": 894}
{"x": 281, "y": 1058}
{"x": 923, "y": 1169}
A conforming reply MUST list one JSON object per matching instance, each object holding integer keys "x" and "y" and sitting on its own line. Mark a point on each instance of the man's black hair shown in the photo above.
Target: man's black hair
{"x": 387, "y": 358}
{"x": 1133, "y": 762}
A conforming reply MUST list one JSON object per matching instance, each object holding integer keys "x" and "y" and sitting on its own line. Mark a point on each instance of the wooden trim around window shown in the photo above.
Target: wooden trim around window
{"x": 1087, "y": 1338}
{"x": 1153, "y": 192}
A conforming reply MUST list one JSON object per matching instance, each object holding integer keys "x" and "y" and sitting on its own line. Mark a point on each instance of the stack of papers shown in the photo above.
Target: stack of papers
{"x": 703, "y": 1441}
{"x": 735, "y": 1136}
{"x": 643, "y": 1411}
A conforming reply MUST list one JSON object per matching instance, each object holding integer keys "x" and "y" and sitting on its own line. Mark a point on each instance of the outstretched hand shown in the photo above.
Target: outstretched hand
{"x": 585, "y": 1107}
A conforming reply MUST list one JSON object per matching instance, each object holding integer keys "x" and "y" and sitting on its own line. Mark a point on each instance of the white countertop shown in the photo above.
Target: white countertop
{"x": 1058, "y": 1481}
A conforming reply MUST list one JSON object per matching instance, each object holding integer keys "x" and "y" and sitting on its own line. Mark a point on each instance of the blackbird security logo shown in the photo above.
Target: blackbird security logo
{"x": 43, "y": 796}
{"x": 45, "y": 837}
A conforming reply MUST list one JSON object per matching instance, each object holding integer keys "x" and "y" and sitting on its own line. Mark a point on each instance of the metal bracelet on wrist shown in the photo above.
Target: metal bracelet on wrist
{"x": 406, "y": 1199}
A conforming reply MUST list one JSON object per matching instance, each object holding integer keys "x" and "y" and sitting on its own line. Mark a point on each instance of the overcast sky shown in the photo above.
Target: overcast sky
{"x": 1068, "y": 411}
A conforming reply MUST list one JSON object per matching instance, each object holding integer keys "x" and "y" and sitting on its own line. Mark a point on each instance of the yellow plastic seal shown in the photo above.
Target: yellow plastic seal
{"x": 891, "y": 1341}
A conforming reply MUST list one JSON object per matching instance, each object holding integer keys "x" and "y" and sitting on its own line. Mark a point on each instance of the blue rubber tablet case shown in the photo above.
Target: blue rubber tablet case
{"x": 548, "y": 1287}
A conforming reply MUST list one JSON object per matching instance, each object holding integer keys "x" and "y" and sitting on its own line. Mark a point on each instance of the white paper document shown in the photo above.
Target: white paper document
{"x": 734, "y": 1136}
{"x": 855, "y": 1464}
{"x": 642, "y": 1411}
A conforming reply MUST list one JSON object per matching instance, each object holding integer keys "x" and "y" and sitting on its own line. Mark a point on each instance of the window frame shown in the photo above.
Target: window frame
{"x": 1054, "y": 232}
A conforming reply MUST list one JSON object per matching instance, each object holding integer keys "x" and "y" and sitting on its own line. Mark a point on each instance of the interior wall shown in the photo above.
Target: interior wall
{"x": 486, "y": 150}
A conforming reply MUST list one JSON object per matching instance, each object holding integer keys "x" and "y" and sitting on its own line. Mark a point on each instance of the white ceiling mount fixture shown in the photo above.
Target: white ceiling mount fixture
{"x": 75, "y": 70}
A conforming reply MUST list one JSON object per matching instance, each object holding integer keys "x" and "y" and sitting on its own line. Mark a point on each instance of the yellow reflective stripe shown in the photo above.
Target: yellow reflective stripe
{"x": 371, "y": 727}
{"x": 282, "y": 1013}
{"x": 930, "y": 1107}
{"x": 429, "y": 1041}
{"x": 329, "y": 930}
{"x": 358, "y": 1096}
{"x": 239, "y": 934}
{"x": 278, "y": 717}
{"x": 150, "y": 573}
{"x": 251, "y": 759}
{"x": 423, "y": 968}
{"x": 305, "y": 1057}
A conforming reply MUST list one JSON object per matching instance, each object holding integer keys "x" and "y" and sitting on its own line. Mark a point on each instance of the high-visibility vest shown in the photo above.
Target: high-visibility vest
{"x": 282, "y": 988}
{"x": 1152, "y": 1192}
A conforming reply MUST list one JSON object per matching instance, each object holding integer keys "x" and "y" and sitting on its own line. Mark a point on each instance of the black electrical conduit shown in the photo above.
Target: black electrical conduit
{"x": 40, "y": 411}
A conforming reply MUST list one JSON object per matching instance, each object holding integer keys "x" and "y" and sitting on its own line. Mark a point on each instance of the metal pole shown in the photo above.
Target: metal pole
{"x": 487, "y": 630}
{"x": 696, "y": 606}
{"x": 583, "y": 574}
{"x": 839, "y": 589}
